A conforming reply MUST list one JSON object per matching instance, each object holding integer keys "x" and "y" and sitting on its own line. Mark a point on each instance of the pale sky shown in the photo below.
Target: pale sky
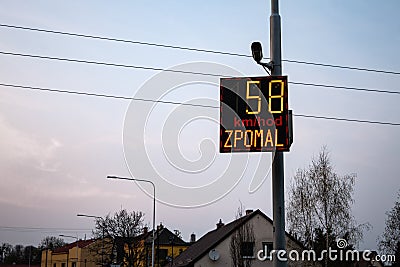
{"x": 56, "y": 149}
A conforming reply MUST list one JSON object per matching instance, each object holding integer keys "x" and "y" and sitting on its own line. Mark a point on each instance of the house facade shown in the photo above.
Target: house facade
{"x": 218, "y": 248}
{"x": 118, "y": 252}
{"x": 76, "y": 254}
{"x": 168, "y": 246}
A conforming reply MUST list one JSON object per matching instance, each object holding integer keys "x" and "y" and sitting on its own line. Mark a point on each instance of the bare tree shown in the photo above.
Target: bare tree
{"x": 242, "y": 242}
{"x": 5, "y": 250}
{"x": 320, "y": 201}
{"x": 51, "y": 242}
{"x": 122, "y": 243}
{"x": 19, "y": 254}
{"x": 31, "y": 255}
{"x": 389, "y": 242}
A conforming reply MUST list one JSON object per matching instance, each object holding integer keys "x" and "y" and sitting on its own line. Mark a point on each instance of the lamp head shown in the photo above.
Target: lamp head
{"x": 256, "y": 51}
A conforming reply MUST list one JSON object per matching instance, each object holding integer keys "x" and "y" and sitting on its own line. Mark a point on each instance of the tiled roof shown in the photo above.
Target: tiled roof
{"x": 163, "y": 237}
{"x": 211, "y": 239}
{"x": 81, "y": 244}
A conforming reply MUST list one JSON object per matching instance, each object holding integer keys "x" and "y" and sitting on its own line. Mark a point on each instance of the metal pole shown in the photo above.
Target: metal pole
{"x": 30, "y": 251}
{"x": 154, "y": 208}
{"x": 277, "y": 160}
{"x": 102, "y": 243}
{"x": 102, "y": 233}
{"x": 47, "y": 251}
{"x": 154, "y": 224}
{"x": 77, "y": 247}
{"x": 172, "y": 251}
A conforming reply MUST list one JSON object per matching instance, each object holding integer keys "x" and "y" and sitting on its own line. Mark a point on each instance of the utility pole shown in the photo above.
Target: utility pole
{"x": 277, "y": 158}
{"x": 103, "y": 225}
{"x": 154, "y": 209}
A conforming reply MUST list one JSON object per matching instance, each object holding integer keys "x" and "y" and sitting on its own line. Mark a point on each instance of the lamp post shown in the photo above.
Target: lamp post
{"x": 77, "y": 247}
{"x": 154, "y": 207}
{"x": 102, "y": 233}
{"x": 171, "y": 240}
{"x": 278, "y": 188}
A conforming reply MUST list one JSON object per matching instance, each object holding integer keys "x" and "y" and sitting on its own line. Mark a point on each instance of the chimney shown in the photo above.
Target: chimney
{"x": 160, "y": 227}
{"x": 220, "y": 224}
{"x": 192, "y": 238}
{"x": 248, "y": 212}
{"x": 145, "y": 230}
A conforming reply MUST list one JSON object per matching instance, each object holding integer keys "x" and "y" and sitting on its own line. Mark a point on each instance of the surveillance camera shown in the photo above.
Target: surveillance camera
{"x": 256, "y": 51}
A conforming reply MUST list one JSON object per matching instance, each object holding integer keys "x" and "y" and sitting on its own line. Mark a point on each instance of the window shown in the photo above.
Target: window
{"x": 73, "y": 264}
{"x": 63, "y": 264}
{"x": 54, "y": 264}
{"x": 247, "y": 249}
{"x": 162, "y": 254}
{"x": 267, "y": 248}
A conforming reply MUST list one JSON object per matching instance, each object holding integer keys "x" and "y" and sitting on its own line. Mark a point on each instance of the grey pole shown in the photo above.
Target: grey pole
{"x": 77, "y": 246}
{"x": 154, "y": 208}
{"x": 277, "y": 158}
{"x": 102, "y": 236}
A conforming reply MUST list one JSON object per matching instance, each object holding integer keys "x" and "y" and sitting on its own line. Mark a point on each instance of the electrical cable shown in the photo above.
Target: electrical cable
{"x": 105, "y": 63}
{"x": 103, "y": 95}
{"x": 194, "y": 49}
{"x": 187, "y": 72}
{"x": 187, "y": 104}
{"x": 40, "y": 229}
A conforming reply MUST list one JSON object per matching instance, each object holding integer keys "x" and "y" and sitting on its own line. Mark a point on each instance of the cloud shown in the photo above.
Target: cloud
{"x": 27, "y": 162}
{"x": 19, "y": 146}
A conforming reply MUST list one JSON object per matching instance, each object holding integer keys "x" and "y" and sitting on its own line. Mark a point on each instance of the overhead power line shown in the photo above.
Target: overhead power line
{"x": 342, "y": 67}
{"x": 123, "y": 40}
{"x": 187, "y": 72}
{"x": 105, "y": 63}
{"x": 39, "y": 229}
{"x": 102, "y": 95}
{"x": 185, "y": 104}
{"x": 347, "y": 119}
{"x": 347, "y": 88}
{"x": 193, "y": 49}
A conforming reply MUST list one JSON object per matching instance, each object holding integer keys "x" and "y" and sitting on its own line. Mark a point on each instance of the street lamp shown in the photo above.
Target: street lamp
{"x": 102, "y": 234}
{"x": 77, "y": 247}
{"x": 154, "y": 207}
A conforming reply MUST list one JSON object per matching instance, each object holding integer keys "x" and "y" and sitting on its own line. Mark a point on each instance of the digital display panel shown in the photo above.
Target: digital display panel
{"x": 254, "y": 114}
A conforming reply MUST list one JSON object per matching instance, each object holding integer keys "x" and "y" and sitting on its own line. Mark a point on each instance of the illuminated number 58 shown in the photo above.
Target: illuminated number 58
{"x": 253, "y": 97}
{"x": 276, "y": 97}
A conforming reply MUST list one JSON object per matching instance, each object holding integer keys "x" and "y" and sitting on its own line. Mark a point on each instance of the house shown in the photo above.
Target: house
{"x": 76, "y": 254}
{"x": 222, "y": 246}
{"x": 118, "y": 251}
{"x": 168, "y": 246}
